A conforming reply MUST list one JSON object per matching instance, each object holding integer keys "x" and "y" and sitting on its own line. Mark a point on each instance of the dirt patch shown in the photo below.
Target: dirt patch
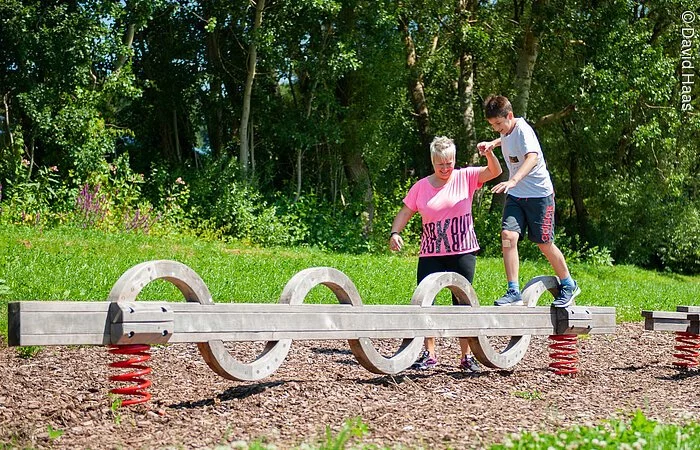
{"x": 320, "y": 384}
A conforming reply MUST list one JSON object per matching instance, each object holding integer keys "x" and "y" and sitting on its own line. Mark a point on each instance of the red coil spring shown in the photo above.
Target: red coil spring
{"x": 564, "y": 353}
{"x": 135, "y": 375}
{"x": 688, "y": 345}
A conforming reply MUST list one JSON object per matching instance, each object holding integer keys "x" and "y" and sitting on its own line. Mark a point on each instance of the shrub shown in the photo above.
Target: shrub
{"x": 322, "y": 224}
{"x": 678, "y": 246}
{"x": 37, "y": 201}
{"x": 111, "y": 199}
{"x": 233, "y": 208}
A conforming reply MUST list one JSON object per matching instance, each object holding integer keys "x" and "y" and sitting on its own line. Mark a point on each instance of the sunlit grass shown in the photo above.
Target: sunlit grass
{"x": 76, "y": 264}
{"x": 638, "y": 432}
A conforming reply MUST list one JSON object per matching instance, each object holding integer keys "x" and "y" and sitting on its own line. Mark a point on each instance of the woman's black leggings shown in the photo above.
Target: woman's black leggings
{"x": 464, "y": 264}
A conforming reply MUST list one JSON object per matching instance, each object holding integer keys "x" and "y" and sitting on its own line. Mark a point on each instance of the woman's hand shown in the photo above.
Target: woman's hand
{"x": 485, "y": 147}
{"x": 395, "y": 242}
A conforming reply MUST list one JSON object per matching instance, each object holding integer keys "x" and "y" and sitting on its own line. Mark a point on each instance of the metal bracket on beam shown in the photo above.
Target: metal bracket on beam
{"x": 693, "y": 317}
{"x": 694, "y": 326}
{"x": 140, "y": 322}
{"x": 573, "y": 320}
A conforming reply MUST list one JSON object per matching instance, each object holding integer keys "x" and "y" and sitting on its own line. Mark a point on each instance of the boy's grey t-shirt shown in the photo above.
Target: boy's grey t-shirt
{"x": 521, "y": 141}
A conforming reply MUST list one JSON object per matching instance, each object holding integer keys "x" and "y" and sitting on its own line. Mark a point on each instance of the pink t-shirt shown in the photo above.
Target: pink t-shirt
{"x": 448, "y": 225}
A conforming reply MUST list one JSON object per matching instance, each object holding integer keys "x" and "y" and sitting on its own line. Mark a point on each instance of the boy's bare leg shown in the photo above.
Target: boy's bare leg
{"x": 555, "y": 258}
{"x": 509, "y": 242}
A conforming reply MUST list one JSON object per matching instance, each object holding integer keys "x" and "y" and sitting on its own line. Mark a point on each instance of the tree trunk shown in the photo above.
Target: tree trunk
{"x": 466, "y": 97}
{"x": 31, "y": 150}
{"x": 465, "y": 85}
{"x": 418, "y": 100}
{"x": 252, "y": 146}
{"x": 8, "y": 128}
{"x": 577, "y": 193}
{"x": 359, "y": 179}
{"x": 355, "y": 167}
{"x": 298, "y": 161}
{"x": 214, "y": 115}
{"x": 527, "y": 57}
{"x": 244, "y": 153}
{"x": 178, "y": 154}
{"x": 127, "y": 41}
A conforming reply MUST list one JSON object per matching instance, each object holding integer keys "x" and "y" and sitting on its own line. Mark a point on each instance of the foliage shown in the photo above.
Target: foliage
{"x": 323, "y": 225}
{"x": 352, "y": 431}
{"x": 171, "y": 200}
{"x": 678, "y": 247}
{"x": 34, "y": 201}
{"x": 350, "y": 436}
{"x": 634, "y": 433}
{"x": 54, "y": 433}
{"x": 236, "y": 209}
{"x": 28, "y": 352}
{"x": 4, "y": 289}
{"x": 48, "y": 70}
{"x": 114, "y": 407}
{"x": 388, "y": 206}
{"x": 111, "y": 198}
{"x": 528, "y": 395}
{"x": 154, "y": 88}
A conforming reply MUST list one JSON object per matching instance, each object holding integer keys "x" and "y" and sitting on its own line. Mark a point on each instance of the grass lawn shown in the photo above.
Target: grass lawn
{"x": 76, "y": 264}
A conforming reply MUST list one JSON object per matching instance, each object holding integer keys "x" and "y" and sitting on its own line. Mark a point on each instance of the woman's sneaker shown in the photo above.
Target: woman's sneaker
{"x": 425, "y": 362}
{"x": 511, "y": 297}
{"x": 469, "y": 364}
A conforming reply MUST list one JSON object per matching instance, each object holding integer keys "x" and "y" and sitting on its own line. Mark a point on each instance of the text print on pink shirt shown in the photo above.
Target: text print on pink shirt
{"x": 452, "y": 233}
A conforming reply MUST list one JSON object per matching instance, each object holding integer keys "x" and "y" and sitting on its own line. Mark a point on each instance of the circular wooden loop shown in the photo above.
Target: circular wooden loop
{"x": 132, "y": 282}
{"x": 294, "y": 293}
{"x": 193, "y": 288}
{"x": 344, "y": 289}
{"x": 428, "y": 289}
{"x": 516, "y": 348}
{"x": 424, "y": 296}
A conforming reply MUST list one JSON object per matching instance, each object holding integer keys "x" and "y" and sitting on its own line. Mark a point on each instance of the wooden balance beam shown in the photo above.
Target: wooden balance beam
{"x": 686, "y": 319}
{"x": 122, "y": 320}
{"x": 685, "y": 323}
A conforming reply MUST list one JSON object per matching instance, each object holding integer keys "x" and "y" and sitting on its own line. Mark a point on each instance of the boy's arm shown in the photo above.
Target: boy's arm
{"x": 529, "y": 163}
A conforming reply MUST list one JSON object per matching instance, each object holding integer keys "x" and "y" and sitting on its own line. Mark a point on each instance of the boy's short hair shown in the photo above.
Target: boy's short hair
{"x": 497, "y": 106}
{"x": 442, "y": 147}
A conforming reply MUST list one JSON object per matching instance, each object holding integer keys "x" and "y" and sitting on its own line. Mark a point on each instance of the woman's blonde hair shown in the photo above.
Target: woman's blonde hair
{"x": 442, "y": 147}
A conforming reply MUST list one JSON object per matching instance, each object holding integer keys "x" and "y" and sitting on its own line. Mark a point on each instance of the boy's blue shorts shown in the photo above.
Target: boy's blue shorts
{"x": 534, "y": 215}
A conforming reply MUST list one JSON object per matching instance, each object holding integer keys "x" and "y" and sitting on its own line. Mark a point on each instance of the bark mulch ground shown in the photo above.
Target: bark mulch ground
{"x": 320, "y": 384}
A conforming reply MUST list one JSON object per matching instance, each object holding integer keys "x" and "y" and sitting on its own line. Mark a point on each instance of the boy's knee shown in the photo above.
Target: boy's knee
{"x": 509, "y": 239}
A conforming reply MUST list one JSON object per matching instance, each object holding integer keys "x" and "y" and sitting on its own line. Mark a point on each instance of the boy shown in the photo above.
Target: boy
{"x": 529, "y": 201}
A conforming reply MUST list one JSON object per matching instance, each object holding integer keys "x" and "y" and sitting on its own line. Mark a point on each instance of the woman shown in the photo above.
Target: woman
{"x": 448, "y": 242}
